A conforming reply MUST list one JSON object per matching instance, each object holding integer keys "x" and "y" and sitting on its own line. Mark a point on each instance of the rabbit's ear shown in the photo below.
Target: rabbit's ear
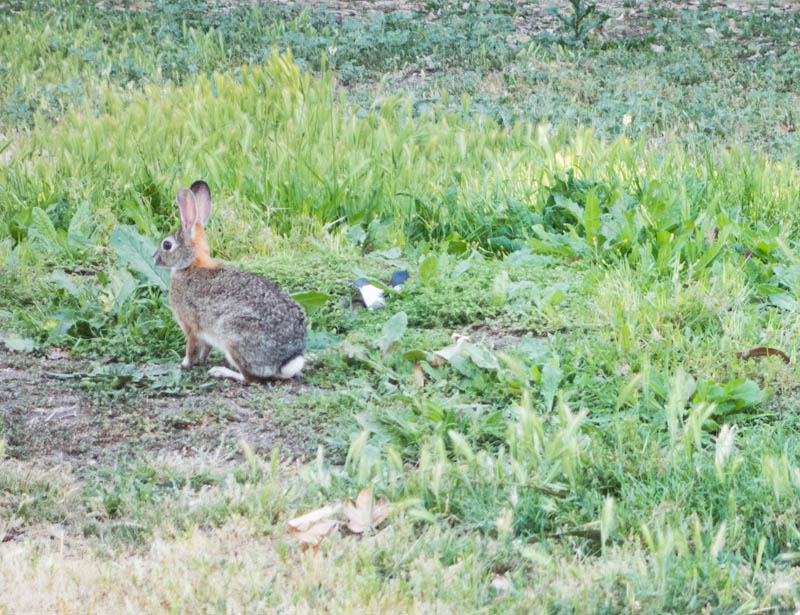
{"x": 187, "y": 205}
{"x": 202, "y": 196}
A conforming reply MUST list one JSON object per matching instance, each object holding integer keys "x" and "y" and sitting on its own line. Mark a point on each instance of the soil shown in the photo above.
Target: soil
{"x": 57, "y": 410}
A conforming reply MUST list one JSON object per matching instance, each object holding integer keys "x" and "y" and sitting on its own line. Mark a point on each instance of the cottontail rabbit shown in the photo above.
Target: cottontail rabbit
{"x": 259, "y": 328}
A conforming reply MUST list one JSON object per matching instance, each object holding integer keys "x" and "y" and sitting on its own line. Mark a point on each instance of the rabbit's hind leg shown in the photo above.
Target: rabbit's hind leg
{"x": 221, "y": 371}
{"x": 234, "y": 360}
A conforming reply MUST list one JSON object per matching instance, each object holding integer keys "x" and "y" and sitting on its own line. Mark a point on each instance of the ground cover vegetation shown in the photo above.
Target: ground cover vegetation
{"x": 608, "y": 215}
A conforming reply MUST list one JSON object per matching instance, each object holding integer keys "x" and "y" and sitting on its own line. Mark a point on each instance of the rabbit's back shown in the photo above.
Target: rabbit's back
{"x": 242, "y": 313}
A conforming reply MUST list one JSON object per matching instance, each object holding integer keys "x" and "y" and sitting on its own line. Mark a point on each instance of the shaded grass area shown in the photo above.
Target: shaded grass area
{"x": 597, "y": 444}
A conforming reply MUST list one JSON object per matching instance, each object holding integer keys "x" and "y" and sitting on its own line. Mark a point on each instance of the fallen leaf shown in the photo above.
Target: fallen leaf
{"x": 312, "y": 527}
{"x": 763, "y": 351}
{"x": 303, "y": 522}
{"x": 392, "y": 331}
{"x": 364, "y": 513}
{"x": 315, "y": 533}
{"x": 419, "y": 376}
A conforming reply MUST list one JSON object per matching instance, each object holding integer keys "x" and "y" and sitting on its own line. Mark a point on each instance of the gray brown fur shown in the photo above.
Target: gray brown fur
{"x": 249, "y": 318}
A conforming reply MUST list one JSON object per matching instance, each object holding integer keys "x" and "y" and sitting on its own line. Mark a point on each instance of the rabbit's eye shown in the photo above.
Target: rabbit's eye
{"x": 167, "y": 245}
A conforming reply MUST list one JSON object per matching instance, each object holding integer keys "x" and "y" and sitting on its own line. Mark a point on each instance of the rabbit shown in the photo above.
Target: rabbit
{"x": 259, "y": 328}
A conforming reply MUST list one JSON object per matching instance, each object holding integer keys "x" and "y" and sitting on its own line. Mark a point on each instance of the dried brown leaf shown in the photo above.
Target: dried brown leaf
{"x": 763, "y": 351}
{"x": 312, "y": 527}
{"x": 313, "y": 535}
{"x": 364, "y": 513}
{"x": 303, "y": 522}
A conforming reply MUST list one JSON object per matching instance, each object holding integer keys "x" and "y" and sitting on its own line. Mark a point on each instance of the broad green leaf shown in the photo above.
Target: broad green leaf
{"x": 570, "y": 205}
{"x": 390, "y": 255}
{"x": 81, "y": 227}
{"x": 463, "y": 365}
{"x": 551, "y": 378}
{"x": 787, "y": 251}
{"x": 356, "y": 234}
{"x": 137, "y": 251}
{"x": 62, "y": 281}
{"x": 16, "y": 342}
{"x": 122, "y": 285}
{"x": 429, "y": 269}
{"x": 62, "y": 322}
{"x": 524, "y": 257}
{"x": 789, "y": 276}
{"x": 784, "y": 301}
{"x": 312, "y": 300}
{"x": 746, "y": 392}
{"x": 415, "y": 356}
{"x": 42, "y": 229}
{"x": 461, "y": 267}
{"x": 554, "y": 244}
{"x": 480, "y": 356}
{"x": 392, "y": 331}
{"x": 533, "y": 348}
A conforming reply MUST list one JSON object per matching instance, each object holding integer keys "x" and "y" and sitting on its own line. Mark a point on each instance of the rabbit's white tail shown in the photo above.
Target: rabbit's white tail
{"x": 293, "y": 367}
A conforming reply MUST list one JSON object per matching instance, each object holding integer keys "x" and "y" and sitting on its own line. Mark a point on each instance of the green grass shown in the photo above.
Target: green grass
{"x": 598, "y": 443}
{"x": 692, "y": 76}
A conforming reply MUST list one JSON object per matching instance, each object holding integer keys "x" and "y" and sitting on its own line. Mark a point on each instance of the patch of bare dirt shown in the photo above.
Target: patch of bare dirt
{"x": 55, "y": 411}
